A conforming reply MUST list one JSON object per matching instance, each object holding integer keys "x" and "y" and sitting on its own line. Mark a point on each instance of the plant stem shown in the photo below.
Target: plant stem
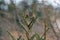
{"x": 44, "y": 29}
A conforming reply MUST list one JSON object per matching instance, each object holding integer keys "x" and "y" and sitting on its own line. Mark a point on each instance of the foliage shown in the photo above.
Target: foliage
{"x": 29, "y": 22}
{"x": 0, "y": 31}
{"x": 2, "y": 15}
{"x": 11, "y": 6}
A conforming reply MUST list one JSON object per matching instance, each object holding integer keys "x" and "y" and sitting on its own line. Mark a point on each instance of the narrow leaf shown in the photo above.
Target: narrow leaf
{"x": 11, "y": 35}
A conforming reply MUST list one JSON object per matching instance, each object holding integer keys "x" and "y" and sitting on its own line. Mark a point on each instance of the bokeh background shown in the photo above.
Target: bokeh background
{"x": 44, "y": 8}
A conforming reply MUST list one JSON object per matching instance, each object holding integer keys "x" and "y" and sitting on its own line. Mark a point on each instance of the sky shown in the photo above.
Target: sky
{"x": 55, "y": 3}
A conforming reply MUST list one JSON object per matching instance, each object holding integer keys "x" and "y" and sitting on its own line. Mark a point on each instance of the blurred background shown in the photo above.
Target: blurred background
{"x": 43, "y": 8}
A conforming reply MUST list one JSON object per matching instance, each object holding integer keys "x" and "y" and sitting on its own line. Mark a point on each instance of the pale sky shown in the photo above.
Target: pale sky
{"x": 52, "y": 2}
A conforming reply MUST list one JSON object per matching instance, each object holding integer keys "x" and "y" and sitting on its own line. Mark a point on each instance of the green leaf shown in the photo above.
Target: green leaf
{"x": 11, "y": 35}
{"x": 19, "y": 38}
{"x": 25, "y": 21}
{"x": 32, "y": 22}
{"x": 10, "y": 8}
{"x": 27, "y": 35}
{"x": 44, "y": 32}
{"x": 20, "y": 23}
{"x": 33, "y": 37}
{"x": 36, "y": 36}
